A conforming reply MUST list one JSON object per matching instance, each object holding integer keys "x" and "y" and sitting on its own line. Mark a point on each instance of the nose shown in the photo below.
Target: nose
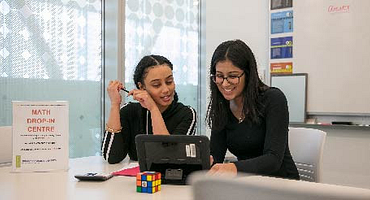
{"x": 225, "y": 82}
{"x": 165, "y": 89}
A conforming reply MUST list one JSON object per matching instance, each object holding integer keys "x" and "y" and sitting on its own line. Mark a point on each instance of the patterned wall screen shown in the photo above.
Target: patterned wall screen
{"x": 51, "y": 50}
{"x": 169, "y": 28}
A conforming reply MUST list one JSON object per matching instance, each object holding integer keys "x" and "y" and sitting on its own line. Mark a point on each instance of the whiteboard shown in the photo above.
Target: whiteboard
{"x": 294, "y": 86}
{"x": 332, "y": 45}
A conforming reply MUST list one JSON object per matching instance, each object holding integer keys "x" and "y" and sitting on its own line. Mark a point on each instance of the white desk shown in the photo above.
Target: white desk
{"x": 63, "y": 185}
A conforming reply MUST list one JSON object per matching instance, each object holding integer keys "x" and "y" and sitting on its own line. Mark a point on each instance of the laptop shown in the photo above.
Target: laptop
{"x": 5, "y": 145}
{"x": 174, "y": 156}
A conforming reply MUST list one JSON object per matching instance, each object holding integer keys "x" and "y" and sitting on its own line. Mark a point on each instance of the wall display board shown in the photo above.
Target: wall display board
{"x": 281, "y": 68}
{"x": 282, "y": 47}
{"x": 40, "y": 136}
{"x": 278, "y": 4}
{"x": 294, "y": 86}
{"x": 332, "y": 44}
{"x": 282, "y": 22}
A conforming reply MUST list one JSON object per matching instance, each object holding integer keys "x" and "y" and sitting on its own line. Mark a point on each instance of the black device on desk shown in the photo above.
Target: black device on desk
{"x": 174, "y": 156}
{"x": 93, "y": 176}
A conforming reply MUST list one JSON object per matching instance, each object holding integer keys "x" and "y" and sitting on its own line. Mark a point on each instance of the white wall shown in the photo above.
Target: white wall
{"x": 238, "y": 19}
{"x": 235, "y": 19}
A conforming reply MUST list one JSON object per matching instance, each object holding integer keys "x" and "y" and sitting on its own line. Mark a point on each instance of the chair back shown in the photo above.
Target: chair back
{"x": 306, "y": 146}
{"x": 265, "y": 188}
{"x": 5, "y": 144}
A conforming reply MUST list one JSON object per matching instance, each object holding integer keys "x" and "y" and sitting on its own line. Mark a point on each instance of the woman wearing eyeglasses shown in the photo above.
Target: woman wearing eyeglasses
{"x": 246, "y": 117}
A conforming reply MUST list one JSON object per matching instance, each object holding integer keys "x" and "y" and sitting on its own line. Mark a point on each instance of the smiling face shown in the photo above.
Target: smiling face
{"x": 228, "y": 90}
{"x": 160, "y": 84}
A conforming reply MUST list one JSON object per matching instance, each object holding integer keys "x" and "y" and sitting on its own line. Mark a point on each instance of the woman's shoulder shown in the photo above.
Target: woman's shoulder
{"x": 130, "y": 107}
{"x": 273, "y": 93}
{"x": 181, "y": 109}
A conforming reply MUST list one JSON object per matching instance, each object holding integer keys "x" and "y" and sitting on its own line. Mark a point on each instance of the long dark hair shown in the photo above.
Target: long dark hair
{"x": 237, "y": 52}
{"x": 147, "y": 62}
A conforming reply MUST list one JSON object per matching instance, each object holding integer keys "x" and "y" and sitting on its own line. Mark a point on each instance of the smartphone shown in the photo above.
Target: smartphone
{"x": 93, "y": 176}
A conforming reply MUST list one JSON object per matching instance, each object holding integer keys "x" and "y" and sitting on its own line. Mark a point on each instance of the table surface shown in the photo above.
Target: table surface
{"x": 63, "y": 184}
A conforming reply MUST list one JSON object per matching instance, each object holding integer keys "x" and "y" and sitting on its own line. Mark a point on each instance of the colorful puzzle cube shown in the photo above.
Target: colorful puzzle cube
{"x": 148, "y": 182}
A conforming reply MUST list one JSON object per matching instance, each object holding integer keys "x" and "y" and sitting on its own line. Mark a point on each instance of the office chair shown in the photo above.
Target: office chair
{"x": 5, "y": 145}
{"x": 306, "y": 146}
{"x": 265, "y": 188}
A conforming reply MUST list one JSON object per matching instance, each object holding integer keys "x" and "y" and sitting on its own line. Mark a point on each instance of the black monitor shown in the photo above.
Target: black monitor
{"x": 174, "y": 156}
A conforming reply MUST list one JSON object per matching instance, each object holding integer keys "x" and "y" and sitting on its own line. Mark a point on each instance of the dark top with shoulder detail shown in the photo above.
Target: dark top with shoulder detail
{"x": 260, "y": 148}
{"x": 179, "y": 119}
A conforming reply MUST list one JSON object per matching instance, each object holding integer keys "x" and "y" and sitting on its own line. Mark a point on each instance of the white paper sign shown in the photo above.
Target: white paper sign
{"x": 40, "y": 136}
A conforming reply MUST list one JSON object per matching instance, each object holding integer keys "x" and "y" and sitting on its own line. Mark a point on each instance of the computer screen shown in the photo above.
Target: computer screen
{"x": 174, "y": 156}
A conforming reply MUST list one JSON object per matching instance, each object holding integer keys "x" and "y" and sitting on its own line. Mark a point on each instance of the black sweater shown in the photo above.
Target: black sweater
{"x": 179, "y": 119}
{"x": 260, "y": 148}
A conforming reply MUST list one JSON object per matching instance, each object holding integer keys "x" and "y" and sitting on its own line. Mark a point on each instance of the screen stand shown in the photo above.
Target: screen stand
{"x": 173, "y": 174}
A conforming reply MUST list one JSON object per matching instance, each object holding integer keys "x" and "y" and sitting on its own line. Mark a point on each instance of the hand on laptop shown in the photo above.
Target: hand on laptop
{"x": 223, "y": 168}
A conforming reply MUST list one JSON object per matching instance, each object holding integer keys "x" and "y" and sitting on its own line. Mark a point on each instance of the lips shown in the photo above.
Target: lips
{"x": 228, "y": 91}
{"x": 166, "y": 98}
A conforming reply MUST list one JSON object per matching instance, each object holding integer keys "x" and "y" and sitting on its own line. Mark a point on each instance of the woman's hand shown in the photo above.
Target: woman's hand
{"x": 144, "y": 98}
{"x": 227, "y": 168}
{"x": 113, "y": 90}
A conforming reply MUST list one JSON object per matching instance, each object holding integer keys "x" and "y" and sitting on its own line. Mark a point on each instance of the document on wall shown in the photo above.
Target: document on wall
{"x": 282, "y": 22}
{"x": 282, "y": 47}
{"x": 40, "y": 136}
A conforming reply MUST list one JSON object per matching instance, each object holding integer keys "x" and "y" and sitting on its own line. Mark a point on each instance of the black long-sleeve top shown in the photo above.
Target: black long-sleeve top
{"x": 179, "y": 119}
{"x": 260, "y": 148}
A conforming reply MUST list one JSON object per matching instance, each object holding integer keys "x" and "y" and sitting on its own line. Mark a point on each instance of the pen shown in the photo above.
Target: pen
{"x": 124, "y": 89}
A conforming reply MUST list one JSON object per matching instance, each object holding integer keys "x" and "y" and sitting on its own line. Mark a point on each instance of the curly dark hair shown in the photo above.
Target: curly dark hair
{"x": 241, "y": 56}
{"x": 147, "y": 62}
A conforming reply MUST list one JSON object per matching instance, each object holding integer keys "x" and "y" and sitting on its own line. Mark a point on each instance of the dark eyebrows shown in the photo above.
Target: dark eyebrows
{"x": 156, "y": 80}
{"x": 230, "y": 72}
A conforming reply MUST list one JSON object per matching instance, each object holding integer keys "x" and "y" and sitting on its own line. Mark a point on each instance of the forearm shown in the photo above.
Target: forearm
{"x": 264, "y": 164}
{"x": 158, "y": 125}
{"x": 114, "y": 121}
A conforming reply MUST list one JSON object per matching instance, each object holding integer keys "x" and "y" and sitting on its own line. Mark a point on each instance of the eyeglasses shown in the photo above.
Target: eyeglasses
{"x": 232, "y": 79}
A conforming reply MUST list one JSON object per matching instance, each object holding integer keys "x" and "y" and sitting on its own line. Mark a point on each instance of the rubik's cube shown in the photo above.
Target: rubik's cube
{"x": 148, "y": 182}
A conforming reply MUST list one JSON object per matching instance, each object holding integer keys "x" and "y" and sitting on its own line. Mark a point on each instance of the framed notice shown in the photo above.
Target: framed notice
{"x": 282, "y": 47}
{"x": 282, "y": 22}
{"x": 279, "y": 4}
{"x": 40, "y": 136}
{"x": 281, "y": 68}
{"x": 294, "y": 86}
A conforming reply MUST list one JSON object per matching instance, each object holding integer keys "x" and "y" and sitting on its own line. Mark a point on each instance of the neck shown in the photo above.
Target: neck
{"x": 237, "y": 103}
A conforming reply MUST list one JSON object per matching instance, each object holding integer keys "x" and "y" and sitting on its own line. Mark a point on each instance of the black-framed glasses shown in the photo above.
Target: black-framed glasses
{"x": 232, "y": 79}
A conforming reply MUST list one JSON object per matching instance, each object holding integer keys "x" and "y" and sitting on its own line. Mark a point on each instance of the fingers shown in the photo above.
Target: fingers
{"x": 214, "y": 169}
{"x": 144, "y": 98}
{"x": 113, "y": 89}
{"x": 115, "y": 85}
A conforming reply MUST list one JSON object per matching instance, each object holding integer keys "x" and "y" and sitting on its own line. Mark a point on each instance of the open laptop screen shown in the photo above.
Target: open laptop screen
{"x": 174, "y": 156}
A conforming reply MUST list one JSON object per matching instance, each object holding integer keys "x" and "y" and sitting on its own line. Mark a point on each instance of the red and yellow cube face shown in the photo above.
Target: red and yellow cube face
{"x": 148, "y": 182}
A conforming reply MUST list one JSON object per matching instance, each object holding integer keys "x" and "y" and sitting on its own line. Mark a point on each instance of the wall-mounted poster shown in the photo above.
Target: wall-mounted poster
{"x": 282, "y": 47}
{"x": 282, "y": 22}
{"x": 40, "y": 136}
{"x": 281, "y": 68}
{"x": 278, "y": 4}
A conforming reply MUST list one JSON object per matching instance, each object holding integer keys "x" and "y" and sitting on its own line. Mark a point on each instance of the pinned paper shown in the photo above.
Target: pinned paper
{"x": 40, "y": 136}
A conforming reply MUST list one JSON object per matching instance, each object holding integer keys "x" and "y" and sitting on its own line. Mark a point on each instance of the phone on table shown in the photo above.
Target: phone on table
{"x": 93, "y": 176}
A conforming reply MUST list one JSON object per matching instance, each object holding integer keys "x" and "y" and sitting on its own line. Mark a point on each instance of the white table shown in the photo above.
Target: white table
{"x": 63, "y": 185}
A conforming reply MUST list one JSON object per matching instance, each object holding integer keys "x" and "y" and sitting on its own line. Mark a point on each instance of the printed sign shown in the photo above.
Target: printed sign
{"x": 282, "y": 22}
{"x": 278, "y": 4}
{"x": 282, "y": 47}
{"x": 40, "y": 136}
{"x": 281, "y": 68}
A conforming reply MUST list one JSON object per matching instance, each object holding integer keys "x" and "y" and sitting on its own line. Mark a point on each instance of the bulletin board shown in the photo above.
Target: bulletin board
{"x": 332, "y": 45}
{"x": 294, "y": 86}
